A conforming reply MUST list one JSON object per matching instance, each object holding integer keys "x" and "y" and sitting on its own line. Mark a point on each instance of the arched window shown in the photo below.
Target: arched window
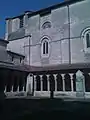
{"x": 45, "y": 47}
{"x": 46, "y": 25}
{"x": 88, "y": 40}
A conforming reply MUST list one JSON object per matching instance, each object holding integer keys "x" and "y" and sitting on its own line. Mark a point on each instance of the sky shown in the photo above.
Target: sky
{"x": 10, "y": 8}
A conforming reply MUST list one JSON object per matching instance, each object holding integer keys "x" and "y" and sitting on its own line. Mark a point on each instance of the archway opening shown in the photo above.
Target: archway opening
{"x": 52, "y": 83}
{"x": 59, "y": 82}
{"x": 67, "y": 82}
{"x": 38, "y": 83}
{"x": 44, "y": 78}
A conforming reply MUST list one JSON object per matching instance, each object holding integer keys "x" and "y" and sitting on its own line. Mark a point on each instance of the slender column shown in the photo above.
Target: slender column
{"x": 12, "y": 89}
{"x": 23, "y": 89}
{"x": 34, "y": 82}
{"x": 12, "y": 81}
{"x": 48, "y": 83}
{"x": 27, "y": 83}
{"x": 41, "y": 82}
{"x": 23, "y": 81}
{"x": 55, "y": 82}
{"x": 71, "y": 77}
{"x": 18, "y": 88}
{"x": 63, "y": 81}
{"x": 31, "y": 81}
{"x": 18, "y": 79}
{"x": 5, "y": 89}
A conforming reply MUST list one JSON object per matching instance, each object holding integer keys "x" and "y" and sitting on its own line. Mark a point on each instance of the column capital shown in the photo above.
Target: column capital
{"x": 47, "y": 77}
{"x": 89, "y": 73}
{"x": 71, "y": 75}
{"x": 63, "y": 76}
{"x": 41, "y": 77}
{"x": 55, "y": 75}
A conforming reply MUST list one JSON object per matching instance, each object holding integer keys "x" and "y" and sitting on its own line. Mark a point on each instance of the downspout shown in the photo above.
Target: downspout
{"x": 69, "y": 43}
{"x": 29, "y": 50}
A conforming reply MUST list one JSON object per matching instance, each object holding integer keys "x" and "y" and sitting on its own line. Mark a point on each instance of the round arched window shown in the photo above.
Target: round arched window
{"x": 86, "y": 39}
{"x": 46, "y": 25}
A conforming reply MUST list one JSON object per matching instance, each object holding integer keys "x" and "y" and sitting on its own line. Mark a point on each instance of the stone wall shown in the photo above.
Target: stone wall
{"x": 66, "y": 23}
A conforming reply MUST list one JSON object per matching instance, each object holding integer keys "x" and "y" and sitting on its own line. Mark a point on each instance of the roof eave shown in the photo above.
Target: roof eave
{"x": 64, "y": 3}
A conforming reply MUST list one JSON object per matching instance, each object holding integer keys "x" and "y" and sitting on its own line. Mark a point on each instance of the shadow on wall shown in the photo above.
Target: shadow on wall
{"x": 36, "y": 109}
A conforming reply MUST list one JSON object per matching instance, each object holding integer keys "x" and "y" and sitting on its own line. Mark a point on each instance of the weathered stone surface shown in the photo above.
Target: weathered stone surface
{"x": 80, "y": 84}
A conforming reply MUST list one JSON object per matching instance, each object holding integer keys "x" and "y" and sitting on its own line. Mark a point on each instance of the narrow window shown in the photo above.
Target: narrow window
{"x": 88, "y": 40}
{"x": 20, "y": 60}
{"x": 44, "y": 48}
{"x": 12, "y": 58}
{"x": 21, "y": 21}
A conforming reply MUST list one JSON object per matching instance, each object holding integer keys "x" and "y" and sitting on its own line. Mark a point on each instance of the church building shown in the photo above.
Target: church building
{"x": 56, "y": 44}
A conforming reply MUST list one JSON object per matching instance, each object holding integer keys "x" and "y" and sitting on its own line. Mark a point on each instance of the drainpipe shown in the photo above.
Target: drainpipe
{"x": 29, "y": 50}
{"x": 69, "y": 34}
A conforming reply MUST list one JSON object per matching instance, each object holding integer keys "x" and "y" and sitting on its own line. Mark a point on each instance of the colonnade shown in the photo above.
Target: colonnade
{"x": 15, "y": 81}
{"x": 55, "y": 82}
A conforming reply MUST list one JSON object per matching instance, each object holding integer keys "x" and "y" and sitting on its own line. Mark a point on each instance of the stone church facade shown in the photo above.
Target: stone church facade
{"x": 54, "y": 36}
{"x": 62, "y": 28}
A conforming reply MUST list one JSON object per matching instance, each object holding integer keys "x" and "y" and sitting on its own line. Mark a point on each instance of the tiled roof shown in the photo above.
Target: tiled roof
{"x": 14, "y": 53}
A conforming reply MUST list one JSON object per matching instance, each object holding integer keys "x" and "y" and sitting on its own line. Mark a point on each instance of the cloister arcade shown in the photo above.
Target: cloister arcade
{"x": 60, "y": 80}
{"x": 39, "y": 81}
